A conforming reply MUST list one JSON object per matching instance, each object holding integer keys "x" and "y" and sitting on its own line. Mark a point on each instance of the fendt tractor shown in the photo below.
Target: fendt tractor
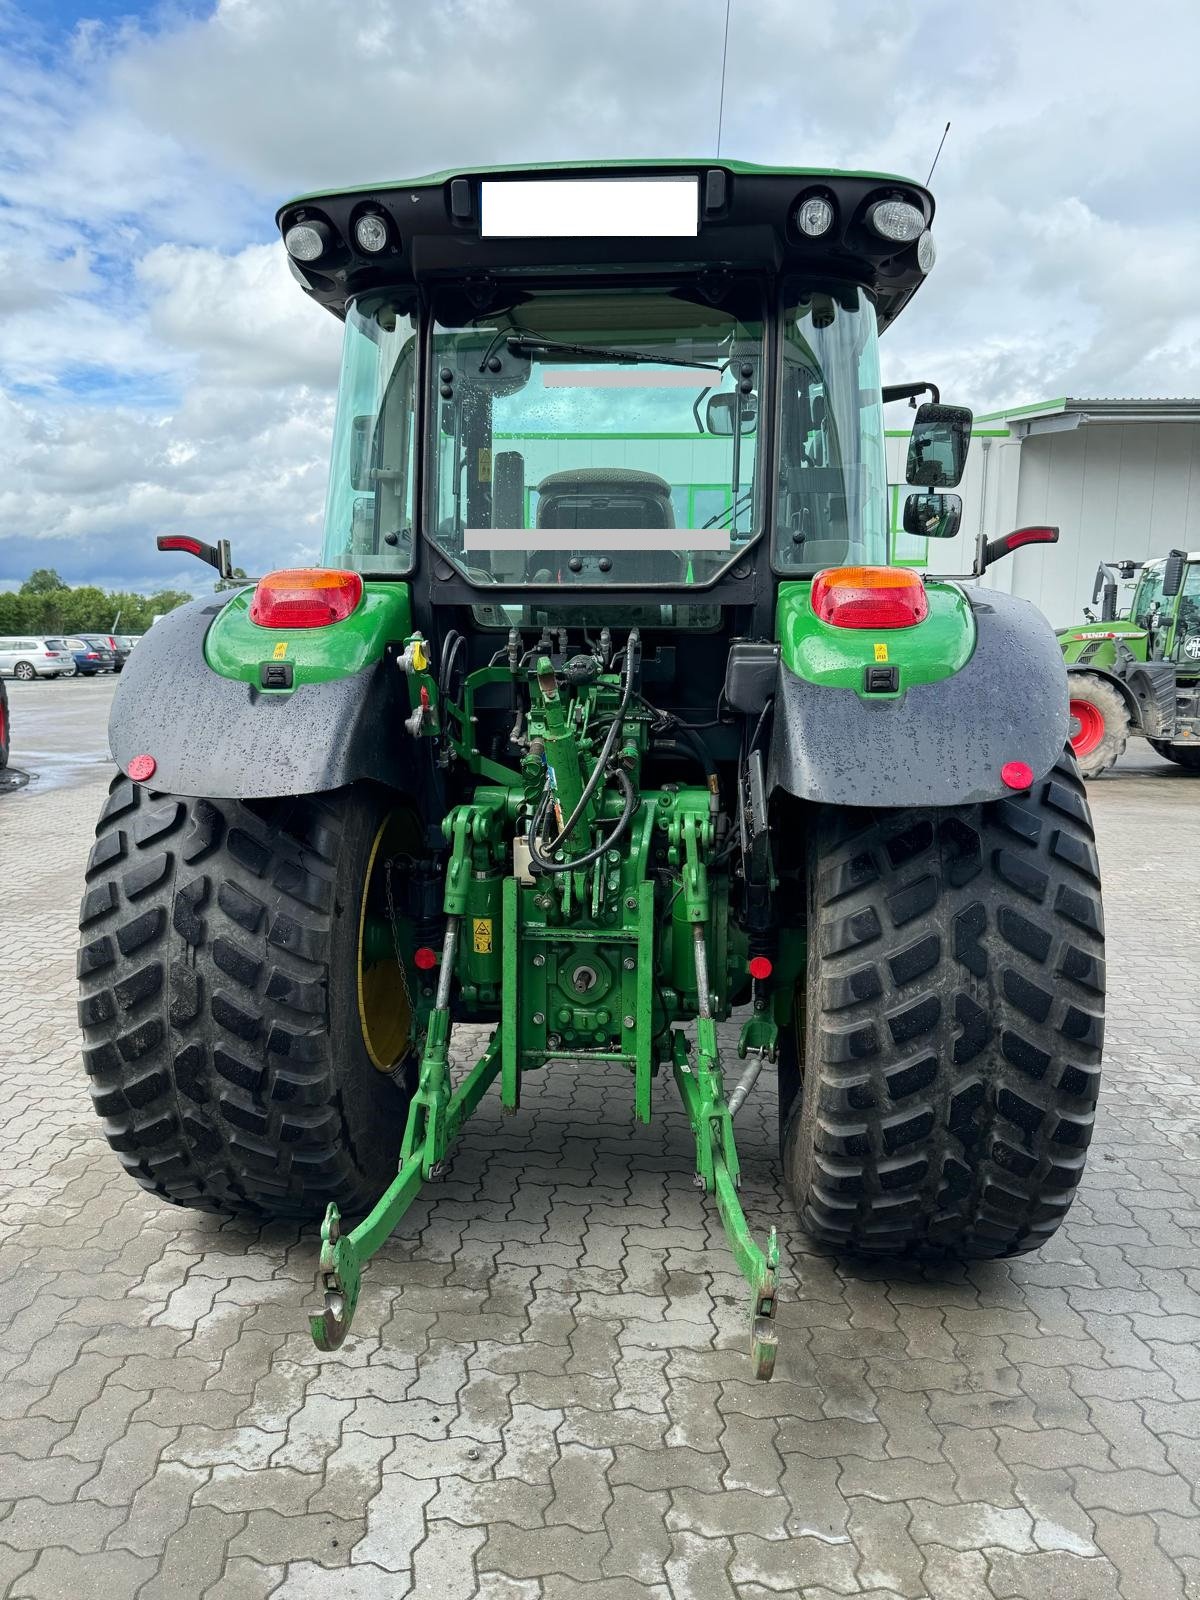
{"x": 1137, "y": 671}
{"x": 604, "y": 720}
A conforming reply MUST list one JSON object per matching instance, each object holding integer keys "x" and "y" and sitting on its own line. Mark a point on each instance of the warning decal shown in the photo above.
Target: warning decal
{"x": 482, "y": 935}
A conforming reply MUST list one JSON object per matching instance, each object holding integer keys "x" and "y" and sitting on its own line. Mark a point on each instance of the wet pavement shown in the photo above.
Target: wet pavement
{"x": 546, "y": 1396}
{"x": 59, "y": 728}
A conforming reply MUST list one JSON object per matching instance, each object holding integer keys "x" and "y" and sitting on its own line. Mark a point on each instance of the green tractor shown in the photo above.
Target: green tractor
{"x": 604, "y": 721}
{"x": 1137, "y": 672}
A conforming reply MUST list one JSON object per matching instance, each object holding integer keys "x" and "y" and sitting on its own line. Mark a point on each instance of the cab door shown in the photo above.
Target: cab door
{"x": 1184, "y": 644}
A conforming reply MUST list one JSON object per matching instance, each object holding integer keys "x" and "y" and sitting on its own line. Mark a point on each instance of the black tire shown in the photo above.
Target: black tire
{"x": 219, "y": 968}
{"x": 945, "y": 1095}
{"x": 1181, "y": 754}
{"x": 1096, "y": 755}
{"x": 24, "y": 671}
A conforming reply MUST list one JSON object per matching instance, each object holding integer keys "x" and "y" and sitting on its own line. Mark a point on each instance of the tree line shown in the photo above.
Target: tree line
{"x": 45, "y": 604}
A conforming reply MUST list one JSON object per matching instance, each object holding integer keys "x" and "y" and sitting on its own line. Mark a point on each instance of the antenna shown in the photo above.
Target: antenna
{"x": 724, "y": 59}
{"x": 945, "y": 131}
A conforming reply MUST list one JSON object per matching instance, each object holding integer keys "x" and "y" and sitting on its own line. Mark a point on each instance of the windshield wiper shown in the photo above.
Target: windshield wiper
{"x": 530, "y": 344}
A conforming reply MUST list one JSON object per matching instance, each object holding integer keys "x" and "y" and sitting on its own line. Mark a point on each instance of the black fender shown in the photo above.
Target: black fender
{"x": 229, "y": 740}
{"x": 936, "y": 744}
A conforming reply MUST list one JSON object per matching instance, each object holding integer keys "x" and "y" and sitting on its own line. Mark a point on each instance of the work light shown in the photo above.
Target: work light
{"x": 371, "y": 233}
{"x": 897, "y": 220}
{"x": 926, "y": 251}
{"x": 306, "y": 241}
{"x": 814, "y": 216}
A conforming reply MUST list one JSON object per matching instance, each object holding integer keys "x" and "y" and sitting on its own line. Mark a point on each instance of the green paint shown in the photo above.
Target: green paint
{"x": 580, "y": 963}
{"x": 836, "y": 657}
{"x": 1089, "y": 641}
{"x": 1048, "y": 406}
{"x": 748, "y": 169}
{"x": 236, "y": 647}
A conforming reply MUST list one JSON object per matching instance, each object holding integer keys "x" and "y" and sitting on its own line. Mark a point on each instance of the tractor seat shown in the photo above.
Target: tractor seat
{"x": 611, "y": 497}
{"x": 604, "y": 497}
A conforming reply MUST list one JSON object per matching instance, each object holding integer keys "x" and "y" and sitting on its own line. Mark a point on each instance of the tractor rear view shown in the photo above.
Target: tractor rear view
{"x": 605, "y": 720}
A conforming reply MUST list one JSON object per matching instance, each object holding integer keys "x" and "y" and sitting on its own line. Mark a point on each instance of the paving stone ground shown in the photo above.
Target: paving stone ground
{"x": 547, "y": 1394}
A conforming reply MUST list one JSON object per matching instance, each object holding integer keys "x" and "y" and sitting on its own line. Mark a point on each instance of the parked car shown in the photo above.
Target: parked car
{"x": 126, "y": 642}
{"x": 28, "y": 656}
{"x": 91, "y": 658}
{"x": 110, "y": 642}
{"x": 4, "y": 726}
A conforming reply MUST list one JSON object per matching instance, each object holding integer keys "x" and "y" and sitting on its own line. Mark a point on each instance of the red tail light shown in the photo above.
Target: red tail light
{"x": 869, "y": 597}
{"x": 305, "y": 597}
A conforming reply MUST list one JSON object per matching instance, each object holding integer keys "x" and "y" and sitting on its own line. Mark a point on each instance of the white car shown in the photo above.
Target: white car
{"x": 27, "y": 656}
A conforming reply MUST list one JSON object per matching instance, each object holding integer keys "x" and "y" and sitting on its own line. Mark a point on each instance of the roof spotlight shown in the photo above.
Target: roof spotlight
{"x": 814, "y": 216}
{"x": 307, "y": 241}
{"x": 897, "y": 220}
{"x": 926, "y": 251}
{"x": 371, "y": 233}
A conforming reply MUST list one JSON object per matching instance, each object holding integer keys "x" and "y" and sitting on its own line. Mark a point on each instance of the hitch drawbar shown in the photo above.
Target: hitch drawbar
{"x": 437, "y": 1112}
{"x": 343, "y": 1255}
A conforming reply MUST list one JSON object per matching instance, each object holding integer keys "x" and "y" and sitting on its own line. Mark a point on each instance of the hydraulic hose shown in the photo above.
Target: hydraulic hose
{"x": 545, "y": 865}
{"x": 685, "y": 741}
{"x": 632, "y": 655}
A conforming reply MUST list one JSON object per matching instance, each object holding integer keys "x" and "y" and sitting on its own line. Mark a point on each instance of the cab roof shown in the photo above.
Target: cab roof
{"x": 744, "y": 220}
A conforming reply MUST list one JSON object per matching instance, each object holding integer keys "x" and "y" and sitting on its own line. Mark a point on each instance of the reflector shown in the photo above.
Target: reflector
{"x": 869, "y": 597}
{"x": 1016, "y": 774}
{"x": 305, "y": 597}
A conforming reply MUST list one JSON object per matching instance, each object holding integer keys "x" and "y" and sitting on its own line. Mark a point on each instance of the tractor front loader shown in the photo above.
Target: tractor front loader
{"x": 604, "y": 719}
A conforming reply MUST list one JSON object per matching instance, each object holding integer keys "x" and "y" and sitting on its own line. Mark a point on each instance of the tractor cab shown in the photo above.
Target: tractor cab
{"x": 1166, "y": 603}
{"x": 644, "y": 386}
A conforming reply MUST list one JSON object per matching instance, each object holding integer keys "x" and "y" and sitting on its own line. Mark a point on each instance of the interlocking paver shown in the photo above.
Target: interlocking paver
{"x": 549, "y": 1398}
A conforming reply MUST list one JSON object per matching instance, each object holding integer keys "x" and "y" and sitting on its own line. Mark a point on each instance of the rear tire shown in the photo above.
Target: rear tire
{"x": 219, "y": 972}
{"x": 941, "y": 1097}
{"x": 1181, "y": 754}
{"x": 24, "y": 671}
{"x": 1099, "y": 723}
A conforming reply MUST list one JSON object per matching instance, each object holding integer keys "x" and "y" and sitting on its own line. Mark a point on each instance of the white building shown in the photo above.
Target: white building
{"x": 1120, "y": 478}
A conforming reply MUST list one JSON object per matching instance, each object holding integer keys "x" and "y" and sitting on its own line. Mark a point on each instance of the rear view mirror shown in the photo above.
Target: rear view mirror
{"x": 937, "y": 451}
{"x": 720, "y": 411}
{"x": 1173, "y": 573}
{"x": 933, "y": 516}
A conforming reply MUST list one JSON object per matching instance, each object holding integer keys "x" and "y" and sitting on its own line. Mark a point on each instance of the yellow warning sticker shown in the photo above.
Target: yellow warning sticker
{"x": 485, "y": 466}
{"x": 280, "y": 649}
{"x": 482, "y": 935}
{"x": 881, "y": 652}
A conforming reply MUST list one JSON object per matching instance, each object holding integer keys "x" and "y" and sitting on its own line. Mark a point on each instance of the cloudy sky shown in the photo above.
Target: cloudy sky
{"x": 159, "y": 370}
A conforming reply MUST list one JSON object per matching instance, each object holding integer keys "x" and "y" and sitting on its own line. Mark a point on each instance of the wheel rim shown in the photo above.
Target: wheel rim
{"x": 384, "y": 1007}
{"x": 24, "y": 672}
{"x": 1087, "y": 726}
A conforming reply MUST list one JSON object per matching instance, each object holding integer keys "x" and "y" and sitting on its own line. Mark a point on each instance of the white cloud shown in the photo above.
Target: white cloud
{"x": 162, "y": 369}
